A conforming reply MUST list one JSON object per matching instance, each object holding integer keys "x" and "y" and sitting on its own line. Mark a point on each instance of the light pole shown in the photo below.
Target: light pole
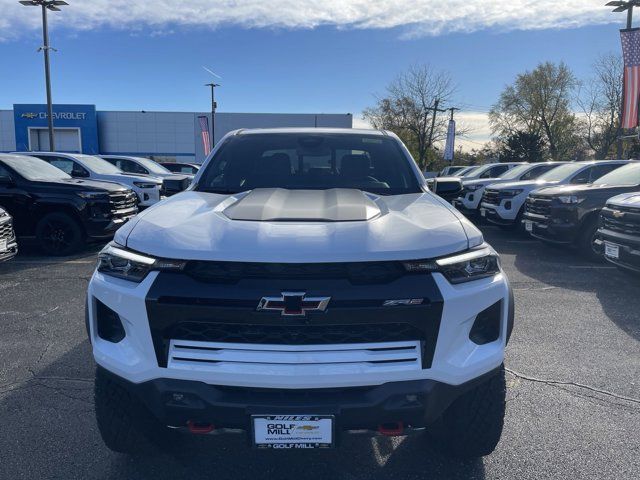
{"x": 52, "y": 5}
{"x": 213, "y": 111}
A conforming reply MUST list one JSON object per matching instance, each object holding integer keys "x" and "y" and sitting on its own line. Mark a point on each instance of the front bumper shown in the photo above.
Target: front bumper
{"x": 468, "y": 205}
{"x": 500, "y": 214}
{"x": 628, "y": 247}
{"x": 148, "y": 196}
{"x": 10, "y": 252}
{"x": 413, "y": 404}
{"x": 455, "y": 358}
{"x": 103, "y": 228}
{"x": 544, "y": 229}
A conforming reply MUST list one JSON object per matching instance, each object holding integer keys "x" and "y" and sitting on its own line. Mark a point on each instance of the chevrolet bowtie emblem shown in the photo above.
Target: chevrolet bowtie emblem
{"x": 293, "y": 304}
{"x": 618, "y": 214}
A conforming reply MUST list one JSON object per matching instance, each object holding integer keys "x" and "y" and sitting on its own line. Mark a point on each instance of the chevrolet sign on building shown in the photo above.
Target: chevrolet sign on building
{"x": 161, "y": 135}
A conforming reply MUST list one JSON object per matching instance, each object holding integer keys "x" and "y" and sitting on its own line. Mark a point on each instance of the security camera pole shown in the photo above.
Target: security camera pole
{"x": 52, "y": 5}
{"x": 213, "y": 112}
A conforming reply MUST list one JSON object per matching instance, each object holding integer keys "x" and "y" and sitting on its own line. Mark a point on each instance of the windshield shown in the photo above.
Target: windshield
{"x": 466, "y": 171}
{"x": 516, "y": 172}
{"x": 478, "y": 171}
{"x": 627, "y": 175}
{"x": 33, "y": 168}
{"x": 309, "y": 161}
{"x": 98, "y": 165}
{"x": 560, "y": 173}
{"x": 152, "y": 166}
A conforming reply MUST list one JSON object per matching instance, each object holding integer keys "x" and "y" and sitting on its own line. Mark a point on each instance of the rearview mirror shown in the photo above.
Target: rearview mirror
{"x": 447, "y": 187}
{"x": 6, "y": 181}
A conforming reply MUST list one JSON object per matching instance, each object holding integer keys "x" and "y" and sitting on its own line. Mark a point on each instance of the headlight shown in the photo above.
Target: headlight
{"x": 145, "y": 184}
{"x": 472, "y": 188}
{"x": 119, "y": 262}
{"x": 569, "y": 199}
{"x": 93, "y": 195}
{"x": 511, "y": 193}
{"x": 466, "y": 267}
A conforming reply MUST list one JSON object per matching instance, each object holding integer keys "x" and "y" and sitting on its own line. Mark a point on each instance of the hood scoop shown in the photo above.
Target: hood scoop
{"x": 280, "y": 205}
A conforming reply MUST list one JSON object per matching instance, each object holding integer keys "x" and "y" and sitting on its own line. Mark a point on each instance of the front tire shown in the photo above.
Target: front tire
{"x": 59, "y": 234}
{"x": 472, "y": 425}
{"x": 125, "y": 424}
{"x": 586, "y": 241}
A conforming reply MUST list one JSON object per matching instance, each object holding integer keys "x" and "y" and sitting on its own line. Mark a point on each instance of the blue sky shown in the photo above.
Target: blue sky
{"x": 334, "y": 66}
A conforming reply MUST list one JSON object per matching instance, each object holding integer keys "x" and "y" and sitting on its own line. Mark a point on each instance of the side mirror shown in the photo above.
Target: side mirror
{"x": 6, "y": 181}
{"x": 447, "y": 187}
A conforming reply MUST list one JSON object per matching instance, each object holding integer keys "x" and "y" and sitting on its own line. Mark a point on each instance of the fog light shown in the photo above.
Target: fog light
{"x": 507, "y": 205}
{"x": 109, "y": 325}
{"x": 486, "y": 328}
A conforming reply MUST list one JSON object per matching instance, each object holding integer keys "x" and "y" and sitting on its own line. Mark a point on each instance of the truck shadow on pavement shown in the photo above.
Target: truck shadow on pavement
{"x": 542, "y": 266}
{"x": 49, "y": 431}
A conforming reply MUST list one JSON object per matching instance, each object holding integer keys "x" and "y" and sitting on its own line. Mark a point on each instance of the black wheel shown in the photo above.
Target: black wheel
{"x": 472, "y": 426}
{"x": 586, "y": 241}
{"x": 125, "y": 424}
{"x": 59, "y": 234}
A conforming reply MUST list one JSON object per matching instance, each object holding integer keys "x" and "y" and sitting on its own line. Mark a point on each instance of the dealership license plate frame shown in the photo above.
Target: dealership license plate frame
{"x": 611, "y": 250}
{"x": 315, "y": 420}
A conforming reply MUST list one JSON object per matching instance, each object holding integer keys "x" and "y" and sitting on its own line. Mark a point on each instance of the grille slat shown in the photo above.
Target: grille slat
{"x": 6, "y": 231}
{"x": 492, "y": 197}
{"x": 538, "y": 206}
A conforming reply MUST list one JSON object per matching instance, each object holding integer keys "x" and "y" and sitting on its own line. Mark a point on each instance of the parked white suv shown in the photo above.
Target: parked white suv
{"x": 473, "y": 190}
{"x": 473, "y": 185}
{"x": 306, "y": 286}
{"x": 504, "y": 204}
{"x": 146, "y": 187}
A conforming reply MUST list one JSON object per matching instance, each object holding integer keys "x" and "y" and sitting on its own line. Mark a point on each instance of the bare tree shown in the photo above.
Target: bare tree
{"x": 539, "y": 102}
{"x": 407, "y": 109}
{"x": 601, "y": 101}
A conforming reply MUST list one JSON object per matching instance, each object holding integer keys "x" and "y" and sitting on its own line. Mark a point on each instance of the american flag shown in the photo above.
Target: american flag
{"x": 204, "y": 131}
{"x": 631, "y": 52}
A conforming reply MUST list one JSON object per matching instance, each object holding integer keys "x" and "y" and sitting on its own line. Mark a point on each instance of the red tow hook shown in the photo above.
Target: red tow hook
{"x": 200, "y": 428}
{"x": 391, "y": 429}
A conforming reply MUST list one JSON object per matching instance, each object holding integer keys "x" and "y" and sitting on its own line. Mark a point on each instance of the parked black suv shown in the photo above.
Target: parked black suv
{"x": 570, "y": 214}
{"x": 8, "y": 244}
{"x": 61, "y": 212}
{"x": 619, "y": 234}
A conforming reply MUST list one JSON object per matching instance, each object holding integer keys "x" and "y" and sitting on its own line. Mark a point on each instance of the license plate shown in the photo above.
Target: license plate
{"x": 292, "y": 431}
{"x": 611, "y": 250}
{"x": 3, "y": 245}
{"x": 483, "y": 212}
{"x": 528, "y": 226}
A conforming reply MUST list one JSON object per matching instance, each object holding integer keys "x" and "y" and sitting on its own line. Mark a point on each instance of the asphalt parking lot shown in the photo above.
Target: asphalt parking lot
{"x": 573, "y": 403}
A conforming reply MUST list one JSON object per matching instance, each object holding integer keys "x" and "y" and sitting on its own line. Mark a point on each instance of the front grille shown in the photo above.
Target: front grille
{"x": 538, "y": 205}
{"x": 362, "y": 273}
{"x": 123, "y": 201}
{"x": 492, "y": 197}
{"x": 6, "y": 231}
{"x": 294, "y": 334}
{"x": 621, "y": 219}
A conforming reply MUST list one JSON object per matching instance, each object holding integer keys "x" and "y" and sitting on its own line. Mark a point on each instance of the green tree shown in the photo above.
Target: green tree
{"x": 523, "y": 147}
{"x": 539, "y": 102}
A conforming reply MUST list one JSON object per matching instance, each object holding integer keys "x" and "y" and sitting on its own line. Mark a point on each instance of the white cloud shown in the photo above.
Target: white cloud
{"x": 418, "y": 17}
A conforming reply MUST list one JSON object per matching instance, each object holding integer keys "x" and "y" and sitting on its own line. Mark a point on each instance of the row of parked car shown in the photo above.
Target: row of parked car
{"x": 594, "y": 206}
{"x": 66, "y": 200}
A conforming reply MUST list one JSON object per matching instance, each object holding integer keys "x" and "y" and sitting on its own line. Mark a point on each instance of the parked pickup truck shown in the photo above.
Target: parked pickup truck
{"x": 619, "y": 234}
{"x": 60, "y": 212}
{"x": 570, "y": 214}
{"x": 307, "y": 286}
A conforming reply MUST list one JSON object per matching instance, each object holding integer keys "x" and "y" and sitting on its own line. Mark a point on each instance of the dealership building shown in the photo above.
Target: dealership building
{"x": 168, "y": 136}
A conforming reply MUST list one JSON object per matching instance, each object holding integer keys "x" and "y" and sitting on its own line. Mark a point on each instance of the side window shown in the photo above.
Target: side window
{"x": 536, "y": 172}
{"x": 63, "y": 164}
{"x": 601, "y": 170}
{"x": 4, "y": 172}
{"x": 132, "y": 167}
{"x": 495, "y": 171}
{"x": 582, "y": 176}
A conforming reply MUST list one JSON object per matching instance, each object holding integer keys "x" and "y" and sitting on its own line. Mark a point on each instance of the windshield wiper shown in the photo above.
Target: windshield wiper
{"x": 220, "y": 191}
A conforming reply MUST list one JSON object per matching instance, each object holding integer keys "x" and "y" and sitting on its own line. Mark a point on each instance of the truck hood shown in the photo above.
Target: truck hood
{"x": 333, "y": 226}
{"x": 626, "y": 200}
{"x": 525, "y": 185}
{"x": 128, "y": 179}
{"x": 482, "y": 182}
{"x": 79, "y": 185}
{"x": 577, "y": 189}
